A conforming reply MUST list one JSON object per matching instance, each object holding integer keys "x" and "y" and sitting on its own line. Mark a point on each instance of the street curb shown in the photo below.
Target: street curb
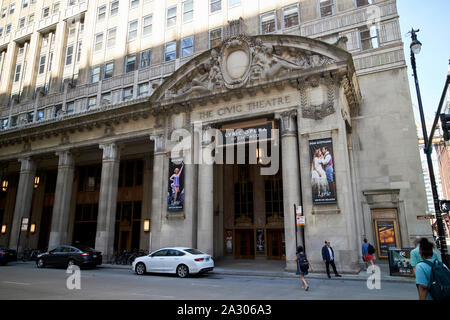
{"x": 279, "y": 275}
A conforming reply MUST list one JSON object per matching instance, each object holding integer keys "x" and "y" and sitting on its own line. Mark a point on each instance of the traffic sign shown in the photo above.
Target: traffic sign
{"x": 445, "y": 205}
{"x": 300, "y": 220}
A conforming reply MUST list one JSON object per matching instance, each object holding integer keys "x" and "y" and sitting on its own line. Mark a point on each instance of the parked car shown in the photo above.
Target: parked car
{"x": 7, "y": 255}
{"x": 65, "y": 256}
{"x": 179, "y": 260}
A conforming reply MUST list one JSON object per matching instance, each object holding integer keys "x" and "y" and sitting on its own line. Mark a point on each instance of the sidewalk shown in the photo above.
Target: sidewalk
{"x": 275, "y": 268}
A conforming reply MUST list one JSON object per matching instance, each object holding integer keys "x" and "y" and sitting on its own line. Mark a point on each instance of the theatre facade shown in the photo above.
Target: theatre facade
{"x": 223, "y": 155}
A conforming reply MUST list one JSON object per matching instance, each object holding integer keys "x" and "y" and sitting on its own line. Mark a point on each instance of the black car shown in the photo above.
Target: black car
{"x": 65, "y": 256}
{"x": 7, "y": 255}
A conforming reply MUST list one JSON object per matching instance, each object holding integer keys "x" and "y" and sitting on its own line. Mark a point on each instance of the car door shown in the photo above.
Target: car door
{"x": 52, "y": 257}
{"x": 156, "y": 261}
{"x": 62, "y": 256}
{"x": 172, "y": 260}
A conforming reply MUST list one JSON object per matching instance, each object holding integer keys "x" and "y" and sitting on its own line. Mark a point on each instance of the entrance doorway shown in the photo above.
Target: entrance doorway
{"x": 275, "y": 244}
{"x": 244, "y": 244}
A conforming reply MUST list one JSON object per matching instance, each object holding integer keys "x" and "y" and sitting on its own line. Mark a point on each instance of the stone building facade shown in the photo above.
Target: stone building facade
{"x": 94, "y": 94}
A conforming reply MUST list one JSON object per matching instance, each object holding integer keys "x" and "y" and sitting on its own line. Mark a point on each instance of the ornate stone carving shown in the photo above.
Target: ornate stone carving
{"x": 288, "y": 123}
{"x": 111, "y": 151}
{"x": 317, "y": 112}
{"x": 159, "y": 142}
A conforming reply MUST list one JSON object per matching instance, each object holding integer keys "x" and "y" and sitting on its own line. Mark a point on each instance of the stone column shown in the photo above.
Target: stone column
{"x": 30, "y": 73}
{"x": 291, "y": 183}
{"x": 159, "y": 194}
{"x": 23, "y": 203}
{"x": 8, "y": 71}
{"x": 63, "y": 196}
{"x": 109, "y": 185}
{"x": 205, "y": 229}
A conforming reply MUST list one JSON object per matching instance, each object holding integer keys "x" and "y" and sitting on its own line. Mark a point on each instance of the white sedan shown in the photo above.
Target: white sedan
{"x": 179, "y": 260}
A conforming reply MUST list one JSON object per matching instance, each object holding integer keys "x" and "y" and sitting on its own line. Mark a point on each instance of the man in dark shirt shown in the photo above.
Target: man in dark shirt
{"x": 328, "y": 258}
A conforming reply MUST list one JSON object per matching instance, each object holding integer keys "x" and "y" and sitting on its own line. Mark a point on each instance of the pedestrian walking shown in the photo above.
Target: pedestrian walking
{"x": 328, "y": 258}
{"x": 415, "y": 257}
{"x": 367, "y": 251}
{"x": 432, "y": 276}
{"x": 303, "y": 264}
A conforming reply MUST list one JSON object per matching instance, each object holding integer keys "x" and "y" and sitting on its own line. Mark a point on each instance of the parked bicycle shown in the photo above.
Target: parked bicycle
{"x": 30, "y": 254}
{"x": 127, "y": 257}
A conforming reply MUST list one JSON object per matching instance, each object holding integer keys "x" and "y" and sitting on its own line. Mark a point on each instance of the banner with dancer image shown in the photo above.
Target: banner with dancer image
{"x": 175, "y": 192}
{"x": 323, "y": 178}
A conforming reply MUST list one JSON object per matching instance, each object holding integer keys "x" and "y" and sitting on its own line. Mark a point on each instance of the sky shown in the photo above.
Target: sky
{"x": 432, "y": 17}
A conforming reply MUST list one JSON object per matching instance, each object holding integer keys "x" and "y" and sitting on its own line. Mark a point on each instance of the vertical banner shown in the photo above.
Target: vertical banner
{"x": 229, "y": 241}
{"x": 260, "y": 247}
{"x": 323, "y": 178}
{"x": 175, "y": 192}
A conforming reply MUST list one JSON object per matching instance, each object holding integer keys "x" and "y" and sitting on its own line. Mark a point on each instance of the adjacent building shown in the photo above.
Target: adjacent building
{"x": 96, "y": 97}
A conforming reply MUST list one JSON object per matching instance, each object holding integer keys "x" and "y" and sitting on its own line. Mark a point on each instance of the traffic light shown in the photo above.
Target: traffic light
{"x": 445, "y": 122}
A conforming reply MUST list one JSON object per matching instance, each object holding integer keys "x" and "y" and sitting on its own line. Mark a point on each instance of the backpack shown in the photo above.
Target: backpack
{"x": 370, "y": 249}
{"x": 439, "y": 286}
{"x": 303, "y": 263}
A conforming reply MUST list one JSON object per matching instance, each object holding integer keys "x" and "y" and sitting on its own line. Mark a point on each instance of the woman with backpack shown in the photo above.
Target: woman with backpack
{"x": 367, "y": 251}
{"x": 303, "y": 264}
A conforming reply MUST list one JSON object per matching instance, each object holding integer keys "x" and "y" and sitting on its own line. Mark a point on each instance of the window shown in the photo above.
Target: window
{"x": 134, "y": 4}
{"x": 108, "y": 70}
{"x": 132, "y": 30}
{"x": 91, "y": 102}
{"x": 291, "y": 16}
{"x": 215, "y": 5}
{"x": 144, "y": 60}
{"x": 187, "y": 46}
{"x": 21, "y": 50}
{"x": 111, "y": 41}
{"x": 4, "y": 124}
{"x": 69, "y": 55}
{"x": 170, "y": 51}
{"x": 72, "y": 30}
{"x": 50, "y": 60}
{"x": 31, "y": 18}
{"x": 95, "y": 74}
{"x": 13, "y": 121}
{"x": 147, "y": 23}
{"x": 369, "y": 38}
{"x": 233, "y": 3}
{"x": 70, "y": 107}
{"x": 268, "y": 22}
{"x": 55, "y": 7}
{"x": 361, "y": 3}
{"x": 25, "y": 3}
{"x": 188, "y": 11}
{"x": 1, "y": 31}
{"x": 21, "y": 23}
{"x": 30, "y": 117}
{"x": 12, "y": 6}
{"x": 101, "y": 13}
{"x": 40, "y": 115}
{"x": 45, "y": 12}
{"x": 171, "y": 17}
{"x": 17, "y": 73}
{"x": 98, "y": 42}
{"x": 327, "y": 7}
{"x": 106, "y": 98}
{"x": 130, "y": 63}
{"x": 143, "y": 89}
{"x": 114, "y": 8}
{"x": 42, "y": 64}
{"x": 215, "y": 37}
{"x": 8, "y": 28}
{"x": 127, "y": 93}
{"x": 79, "y": 51}
{"x": 4, "y": 10}
{"x": 57, "y": 110}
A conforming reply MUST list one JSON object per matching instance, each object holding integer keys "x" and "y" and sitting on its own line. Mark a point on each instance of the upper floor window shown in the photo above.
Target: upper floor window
{"x": 50, "y": 60}
{"x": 360, "y": 3}
{"x": 1, "y": 31}
{"x": 369, "y": 38}
{"x": 188, "y": 11}
{"x": 98, "y": 42}
{"x": 130, "y": 63}
{"x": 291, "y": 16}
{"x": 91, "y": 102}
{"x": 40, "y": 115}
{"x": 79, "y": 51}
{"x": 147, "y": 25}
{"x": 132, "y": 30}
{"x": 95, "y": 74}
{"x": 233, "y": 3}
{"x": 171, "y": 17}
{"x": 12, "y": 7}
{"x": 134, "y": 4}
{"x": 31, "y": 18}
{"x": 69, "y": 55}
{"x": 327, "y": 7}
{"x": 127, "y": 93}
{"x": 101, "y": 13}
{"x": 29, "y": 117}
{"x": 144, "y": 60}
{"x": 25, "y": 3}
{"x": 114, "y": 8}
{"x": 108, "y": 70}
{"x": 4, "y": 11}
{"x": 13, "y": 121}
{"x": 215, "y": 37}
{"x": 70, "y": 107}
{"x": 4, "y": 123}
{"x": 8, "y": 28}
{"x": 143, "y": 88}
{"x": 111, "y": 41}
{"x": 45, "y": 12}
{"x": 170, "y": 51}
{"x": 21, "y": 23}
{"x": 187, "y": 46}
{"x": 17, "y": 73}
{"x": 41, "y": 64}
{"x": 215, "y": 5}
{"x": 268, "y": 22}
{"x": 55, "y": 7}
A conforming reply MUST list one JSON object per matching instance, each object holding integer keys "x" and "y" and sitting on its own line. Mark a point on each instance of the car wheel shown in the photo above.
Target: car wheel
{"x": 70, "y": 263}
{"x": 140, "y": 269}
{"x": 182, "y": 271}
{"x": 40, "y": 263}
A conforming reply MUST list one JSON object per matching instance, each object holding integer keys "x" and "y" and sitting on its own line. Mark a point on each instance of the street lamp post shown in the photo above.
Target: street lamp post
{"x": 415, "y": 47}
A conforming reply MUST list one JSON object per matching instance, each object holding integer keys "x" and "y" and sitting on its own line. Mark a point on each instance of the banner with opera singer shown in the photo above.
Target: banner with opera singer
{"x": 175, "y": 192}
{"x": 323, "y": 177}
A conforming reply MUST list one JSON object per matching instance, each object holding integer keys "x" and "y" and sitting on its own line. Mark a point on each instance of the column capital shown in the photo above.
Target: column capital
{"x": 111, "y": 151}
{"x": 65, "y": 158}
{"x": 287, "y": 121}
{"x": 159, "y": 142}
{"x": 27, "y": 164}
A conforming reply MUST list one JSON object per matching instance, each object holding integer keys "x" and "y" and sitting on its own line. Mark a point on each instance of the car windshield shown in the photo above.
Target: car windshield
{"x": 85, "y": 248}
{"x": 193, "y": 251}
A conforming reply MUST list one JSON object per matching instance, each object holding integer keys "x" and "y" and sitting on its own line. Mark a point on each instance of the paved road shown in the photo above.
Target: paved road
{"x": 25, "y": 281}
